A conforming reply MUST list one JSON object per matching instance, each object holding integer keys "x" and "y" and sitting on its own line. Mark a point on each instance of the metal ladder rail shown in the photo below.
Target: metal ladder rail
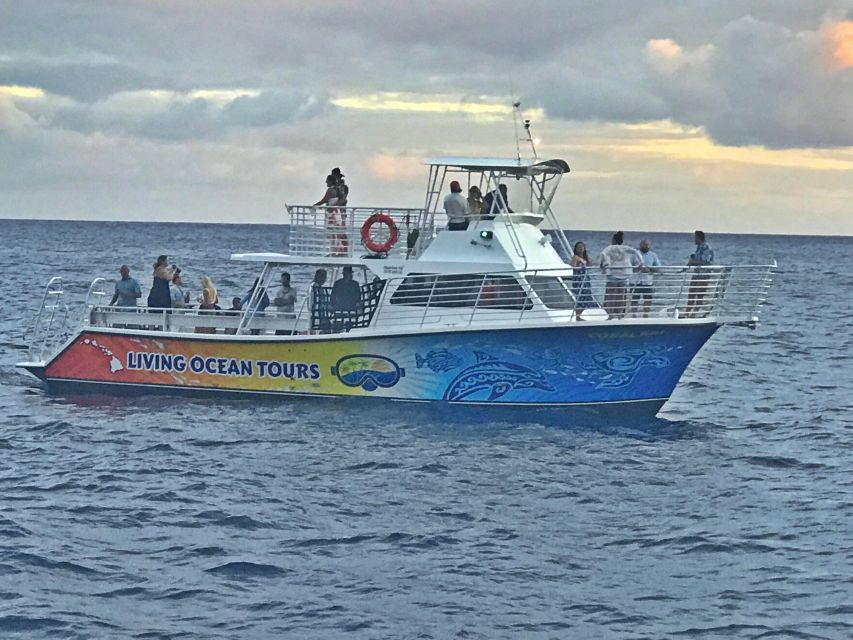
{"x": 40, "y": 333}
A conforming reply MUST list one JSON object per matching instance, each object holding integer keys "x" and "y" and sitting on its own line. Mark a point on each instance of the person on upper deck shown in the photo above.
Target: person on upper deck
{"x": 456, "y": 208}
{"x": 700, "y": 282}
{"x": 346, "y": 294}
{"x": 127, "y": 289}
{"x": 618, "y": 262}
{"x": 340, "y": 187}
{"x": 495, "y": 202}
{"x": 159, "y": 297}
{"x": 286, "y": 297}
{"x": 330, "y": 198}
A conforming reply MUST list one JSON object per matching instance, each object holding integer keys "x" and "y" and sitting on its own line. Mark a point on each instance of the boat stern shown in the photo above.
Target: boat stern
{"x": 36, "y": 368}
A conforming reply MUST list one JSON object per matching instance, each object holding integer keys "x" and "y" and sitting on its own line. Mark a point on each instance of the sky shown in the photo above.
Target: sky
{"x": 730, "y": 116}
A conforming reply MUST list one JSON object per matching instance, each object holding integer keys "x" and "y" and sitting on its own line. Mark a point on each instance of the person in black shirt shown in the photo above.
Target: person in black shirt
{"x": 346, "y": 294}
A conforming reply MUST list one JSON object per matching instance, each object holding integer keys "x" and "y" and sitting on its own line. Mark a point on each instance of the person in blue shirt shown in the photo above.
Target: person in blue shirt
{"x": 701, "y": 281}
{"x": 127, "y": 289}
{"x": 262, "y": 302}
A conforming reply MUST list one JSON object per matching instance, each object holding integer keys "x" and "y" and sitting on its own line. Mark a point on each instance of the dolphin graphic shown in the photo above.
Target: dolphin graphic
{"x": 495, "y": 376}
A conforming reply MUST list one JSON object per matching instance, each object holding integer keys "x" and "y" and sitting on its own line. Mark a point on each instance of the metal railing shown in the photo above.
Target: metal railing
{"x": 336, "y": 231}
{"x": 50, "y": 327}
{"x": 515, "y": 298}
{"x": 724, "y": 294}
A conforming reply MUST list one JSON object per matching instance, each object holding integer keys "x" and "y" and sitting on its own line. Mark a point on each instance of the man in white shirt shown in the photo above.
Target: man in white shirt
{"x": 456, "y": 208}
{"x": 617, "y": 263}
{"x": 644, "y": 285}
{"x": 180, "y": 296}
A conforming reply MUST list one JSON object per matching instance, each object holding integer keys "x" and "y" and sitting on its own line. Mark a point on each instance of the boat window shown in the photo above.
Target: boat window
{"x": 552, "y": 291}
{"x": 415, "y": 289}
{"x": 462, "y": 290}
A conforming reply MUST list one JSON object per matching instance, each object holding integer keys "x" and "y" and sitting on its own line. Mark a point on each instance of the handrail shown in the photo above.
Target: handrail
{"x": 509, "y": 298}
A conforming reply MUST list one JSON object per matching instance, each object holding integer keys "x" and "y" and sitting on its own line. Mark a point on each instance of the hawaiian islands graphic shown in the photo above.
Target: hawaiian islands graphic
{"x": 438, "y": 360}
{"x": 495, "y": 377}
{"x": 368, "y": 371}
{"x": 115, "y": 363}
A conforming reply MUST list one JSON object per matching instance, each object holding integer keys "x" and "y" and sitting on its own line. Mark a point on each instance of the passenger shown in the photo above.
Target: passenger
{"x": 475, "y": 203}
{"x": 456, "y": 208}
{"x": 341, "y": 188}
{"x": 179, "y": 295}
{"x": 700, "y": 283}
{"x": 286, "y": 298}
{"x": 207, "y": 283}
{"x": 235, "y": 306}
{"x": 644, "y": 287}
{"x": 339, "y": 243}
{"x": 581, "y": 287}
{"x": 160, "y": 297}
{"x": 617, "y": 263}
{"x": 262, "y": 302}
{"x": 495, "y": 202}
{"x": 330, "y": 198}
{"x": 317, "y": 283}
{"x": 127, "y": 289}
{"x": 318, "y": 315}
{"x": 489, "y": 294}
{"x": 346, "y": 294}
{"x": 207, "y": 304}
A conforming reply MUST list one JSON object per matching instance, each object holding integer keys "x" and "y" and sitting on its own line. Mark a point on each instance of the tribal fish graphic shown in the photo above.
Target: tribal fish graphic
{"x": 495, "y": 376}
{"x": 620, "y": 368}
{"x": 438, "y": 360}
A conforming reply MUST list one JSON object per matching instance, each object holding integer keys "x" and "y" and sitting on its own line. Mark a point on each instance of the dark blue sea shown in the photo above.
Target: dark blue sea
{"x": 731, "y": 516}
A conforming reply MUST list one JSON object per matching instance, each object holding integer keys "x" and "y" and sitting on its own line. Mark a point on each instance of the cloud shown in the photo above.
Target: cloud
{"x": 170, "y": 115}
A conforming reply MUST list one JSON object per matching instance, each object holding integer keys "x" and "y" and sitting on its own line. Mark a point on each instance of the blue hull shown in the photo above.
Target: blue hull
{"x": 633, "y": 366}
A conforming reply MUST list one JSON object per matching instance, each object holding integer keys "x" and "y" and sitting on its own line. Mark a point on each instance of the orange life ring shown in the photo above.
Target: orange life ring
{"x": 373, "y": 245}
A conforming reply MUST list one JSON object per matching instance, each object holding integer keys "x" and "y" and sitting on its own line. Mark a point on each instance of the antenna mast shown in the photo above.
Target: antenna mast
{"x": 516, "y": 114}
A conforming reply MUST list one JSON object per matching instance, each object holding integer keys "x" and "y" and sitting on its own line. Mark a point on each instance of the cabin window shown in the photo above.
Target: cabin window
{"x": 462, "y": 290}
{"x": 552, "y": 291}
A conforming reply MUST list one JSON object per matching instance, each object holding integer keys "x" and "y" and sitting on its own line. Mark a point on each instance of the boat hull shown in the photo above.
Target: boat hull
{"x": 578, "y": 365}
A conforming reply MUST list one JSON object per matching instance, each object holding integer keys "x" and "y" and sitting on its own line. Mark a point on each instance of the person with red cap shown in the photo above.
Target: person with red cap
{"x": 456, "y": 208}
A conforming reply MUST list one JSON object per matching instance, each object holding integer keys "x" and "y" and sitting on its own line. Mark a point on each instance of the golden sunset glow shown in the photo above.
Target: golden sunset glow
{"x": 840, "y": 44}
{"x": 677, "y": 143}
{"x": 21, "y": 92}
{"x": 488, "y": 109}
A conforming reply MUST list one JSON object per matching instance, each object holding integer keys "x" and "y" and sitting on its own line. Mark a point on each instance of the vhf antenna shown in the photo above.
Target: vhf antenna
{"x": 515, "y": 105}
{"x": 530, "y": 139}
{"x": 516, "y": 114}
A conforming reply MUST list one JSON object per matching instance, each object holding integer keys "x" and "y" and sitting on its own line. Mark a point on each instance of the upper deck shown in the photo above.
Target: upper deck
{"x": 349, "y": 232}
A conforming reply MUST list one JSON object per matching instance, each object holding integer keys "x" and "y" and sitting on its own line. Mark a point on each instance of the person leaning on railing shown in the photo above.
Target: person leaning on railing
{"x": 701, "y": 280}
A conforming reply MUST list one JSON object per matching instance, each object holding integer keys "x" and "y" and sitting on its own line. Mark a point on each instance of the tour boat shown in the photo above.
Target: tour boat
{"x": 490, "y": 316}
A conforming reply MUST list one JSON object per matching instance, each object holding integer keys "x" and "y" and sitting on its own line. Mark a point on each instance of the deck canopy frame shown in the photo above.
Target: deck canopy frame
{"x": 542, "y": 177}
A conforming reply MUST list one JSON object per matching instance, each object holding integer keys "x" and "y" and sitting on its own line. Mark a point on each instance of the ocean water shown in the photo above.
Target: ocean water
{"x": 731, "y": 516}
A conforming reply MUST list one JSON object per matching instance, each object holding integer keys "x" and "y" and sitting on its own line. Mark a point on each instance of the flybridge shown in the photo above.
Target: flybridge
{"x": 342, "y": 232}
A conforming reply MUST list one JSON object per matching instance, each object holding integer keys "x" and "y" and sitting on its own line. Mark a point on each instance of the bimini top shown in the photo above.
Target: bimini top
{"x": 510, "y": 166}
